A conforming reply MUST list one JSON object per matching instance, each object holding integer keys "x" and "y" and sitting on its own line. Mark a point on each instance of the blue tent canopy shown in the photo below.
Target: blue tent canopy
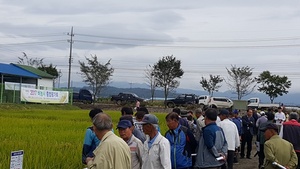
{"x": 8, "y": 69}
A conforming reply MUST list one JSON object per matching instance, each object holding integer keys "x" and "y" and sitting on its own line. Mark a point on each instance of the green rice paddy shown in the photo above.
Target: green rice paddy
{"x": 50, "y": 136}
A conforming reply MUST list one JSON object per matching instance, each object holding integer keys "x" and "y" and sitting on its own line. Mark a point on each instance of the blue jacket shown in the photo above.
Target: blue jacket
{"x": 238, "y": 122}
{"x": 179, "y": 157}
{"x": 248, "y": 125}
{"x": 89, "y": 145}
{"x": 211, "y": 145}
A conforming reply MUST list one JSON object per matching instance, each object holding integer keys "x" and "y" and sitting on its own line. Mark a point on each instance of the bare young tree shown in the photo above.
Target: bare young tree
{"x": 150, "y": 80}
{"x": 39, "y": 64}
{"x": 240, "y": 80}
{"x": 34, "y": 62}
{"x": 95, "y": 74}
{"x": 210, "y": 85}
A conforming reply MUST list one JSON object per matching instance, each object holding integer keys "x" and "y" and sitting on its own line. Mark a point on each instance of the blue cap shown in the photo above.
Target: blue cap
{"x": 224, "y": 112}
{"x": 124, "y": 124}
{"x": 235, "y": 111}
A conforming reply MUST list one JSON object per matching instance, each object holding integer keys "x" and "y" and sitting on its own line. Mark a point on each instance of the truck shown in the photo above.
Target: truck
{"x": 125, "y": 97}
{"x": 182, "y": 100}
{"x": 256, "y": 103}
{"x": 84, "y": 96}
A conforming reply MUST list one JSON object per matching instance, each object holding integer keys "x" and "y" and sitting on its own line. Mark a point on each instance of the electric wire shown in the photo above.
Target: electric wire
{"x": 31, "y": 43}
{"x": 162, "y": 40}
{"x": 198, "y": 47}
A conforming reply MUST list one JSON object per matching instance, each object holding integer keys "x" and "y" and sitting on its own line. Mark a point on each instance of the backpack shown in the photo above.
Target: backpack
{"x": 191, "y": 143}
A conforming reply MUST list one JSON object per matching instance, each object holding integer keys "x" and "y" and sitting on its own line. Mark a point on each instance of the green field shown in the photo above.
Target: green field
{"x": 51, "y": 136}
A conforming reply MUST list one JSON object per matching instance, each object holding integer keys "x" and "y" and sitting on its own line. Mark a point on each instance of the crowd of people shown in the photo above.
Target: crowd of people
{"x": 195, "y": 140}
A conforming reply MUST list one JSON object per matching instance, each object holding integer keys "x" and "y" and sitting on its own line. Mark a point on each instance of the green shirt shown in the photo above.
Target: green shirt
{"x": 281, "y": 151}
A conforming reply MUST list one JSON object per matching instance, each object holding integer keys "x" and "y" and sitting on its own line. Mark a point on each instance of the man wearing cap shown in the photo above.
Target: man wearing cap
{"x": 136, "y": 146}
{"x": 90, "y": 139}
{"x": 290, "y": 131}
{"x": 261, "y": 138}
{"x": 112, "y": 152}
{"x": 238, "y": 122}
{"x": 262, "y": 119}
{"x": 135, "y": 131}
{"x": 156, "y": 147}
{"x": 278, "y": 150}
{"x": 231, "y": 134}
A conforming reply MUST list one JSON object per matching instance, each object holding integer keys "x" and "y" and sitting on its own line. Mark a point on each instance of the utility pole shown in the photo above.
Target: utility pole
{"x": 59, "y": 76}
{"x": 130, "y": 85}
{"x": 70, "y": 57}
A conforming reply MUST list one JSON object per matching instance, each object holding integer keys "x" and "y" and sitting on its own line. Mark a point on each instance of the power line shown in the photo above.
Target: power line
{"x": 123, "y": 38}
{"x": 170, "y": 46}
{"x": 15, "y": 36}
{"x": 31, "y": 43}
{"x": 164, "y": 40}
{"x": 198, "y": 47}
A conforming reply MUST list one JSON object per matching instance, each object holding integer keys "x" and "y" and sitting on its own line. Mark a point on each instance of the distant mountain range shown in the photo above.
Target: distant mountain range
{"x": 143, "y": 91}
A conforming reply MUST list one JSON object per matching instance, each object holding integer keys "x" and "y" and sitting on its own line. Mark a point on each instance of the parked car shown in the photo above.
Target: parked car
{"x": 125, "y": 97}
{"x": 203, "y": 101}
{"x": 256, "y": 103}
{"x": 84, "y": 96}
{"x": 182, "y": 100}
{"x": 215, "y": 102}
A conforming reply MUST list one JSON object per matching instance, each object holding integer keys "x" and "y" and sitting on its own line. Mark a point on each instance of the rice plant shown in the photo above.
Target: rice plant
{"x": 50, "y": 138}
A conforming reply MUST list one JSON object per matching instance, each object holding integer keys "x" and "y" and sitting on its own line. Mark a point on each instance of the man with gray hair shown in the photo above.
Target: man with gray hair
{"x": 290, "y": 131}
{"x": 113, "y": 152}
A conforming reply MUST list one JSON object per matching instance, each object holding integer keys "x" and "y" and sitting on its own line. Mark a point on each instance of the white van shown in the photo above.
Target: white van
{"x": 204, "y": 100}
{"x": 215, "y": 102}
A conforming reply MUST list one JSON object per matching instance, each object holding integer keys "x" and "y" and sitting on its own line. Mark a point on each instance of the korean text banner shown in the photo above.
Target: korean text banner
{"x": 44, "y": 96}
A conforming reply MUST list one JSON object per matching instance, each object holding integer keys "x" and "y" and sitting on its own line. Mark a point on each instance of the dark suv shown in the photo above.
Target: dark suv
{"x": 125, "y": 97}
{"x": 182, "y": 100}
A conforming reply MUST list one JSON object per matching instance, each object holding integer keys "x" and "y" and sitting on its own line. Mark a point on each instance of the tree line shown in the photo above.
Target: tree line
{"x": 167, "y": 71}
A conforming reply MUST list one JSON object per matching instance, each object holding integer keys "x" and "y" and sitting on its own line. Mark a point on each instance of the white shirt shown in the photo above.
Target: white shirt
{"x": 200, "y": 122}
{"x": 231, "y": 133}
{"x": 159, "y": 155}
{"x": 279, "y": 118}
{"x": 218, "y": 120}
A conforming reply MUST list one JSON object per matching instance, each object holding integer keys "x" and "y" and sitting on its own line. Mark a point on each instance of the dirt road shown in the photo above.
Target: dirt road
{"x": 247, "y": 163}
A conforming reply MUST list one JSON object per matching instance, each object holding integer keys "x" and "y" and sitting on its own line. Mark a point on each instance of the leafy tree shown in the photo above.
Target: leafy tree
{"x": 165, "y": 72}
{"x": 95, "y": 74}
{"x": 211, "y": 85}
{"x": 49, "y": 69}
{"x": 150, "y": 80}
{"x": 240, "y": 80}
{"x": 34, "y": 62}
{"x": 273, "y": 85}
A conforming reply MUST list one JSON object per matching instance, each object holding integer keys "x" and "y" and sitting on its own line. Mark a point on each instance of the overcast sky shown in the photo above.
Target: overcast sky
{"x": 207, "y": 36}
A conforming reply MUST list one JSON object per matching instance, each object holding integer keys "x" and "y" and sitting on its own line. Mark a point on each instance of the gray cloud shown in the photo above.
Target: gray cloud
{"x": 206, "y": 36}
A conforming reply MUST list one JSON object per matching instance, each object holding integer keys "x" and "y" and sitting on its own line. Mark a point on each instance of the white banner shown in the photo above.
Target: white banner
{"x": 44, "y": 96}
{"x": 16, "y": 86}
